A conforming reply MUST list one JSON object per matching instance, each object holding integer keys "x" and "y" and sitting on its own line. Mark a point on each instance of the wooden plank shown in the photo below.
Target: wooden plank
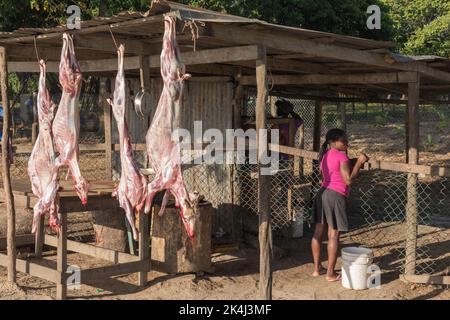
{"x": 100, "y": 202}
{"x": 207, "y": 56}
{"x": 156, "y": 19}
{"x": 341, "y": 79}
{"x": 411, "y": 216}
{"x": 238, "y": 102}
{"x": 61, "y": 259}
{"x": 21, "y": 240}
{"x": 114, "y": 270}
{"x": 6, "y": 156}
{"x": 426, "y": 279}
{"x": 31, "y": 268}
{"x": 83, "y": 147}
{"x": 317, "y": 130}
{"x": 265, "y": 228}
{"x": 93, "y": 251}
{"x": 283, "y": 41}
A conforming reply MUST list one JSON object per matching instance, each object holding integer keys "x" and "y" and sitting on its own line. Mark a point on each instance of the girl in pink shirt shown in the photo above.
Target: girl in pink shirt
{"x": 331, "y": 202}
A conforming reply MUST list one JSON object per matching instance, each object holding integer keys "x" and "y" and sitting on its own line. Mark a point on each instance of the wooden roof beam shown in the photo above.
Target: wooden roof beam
{"x": 284, "y": 41}
{"x": 357, "y": 78}
{"x": 222, "y": 55}
{"x": 87, "y": 30}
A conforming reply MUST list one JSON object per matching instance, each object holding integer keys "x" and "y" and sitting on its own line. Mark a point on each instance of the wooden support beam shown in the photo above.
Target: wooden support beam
{"x": 92, "y": 275}
{"x": 144, "y": 247}
{"x": 33, "y": 269}
{"x": 317, "y": 133}
{"x": 207, "y": 56}
{"x": 411, "y": 215}
{"x": 89, "y": 30}
{"x": 6, "y": 156}
{"x": 92, "y": 251}
{"x": 238, "y": 102}
{"x": 103, "y": 95}
{"x": 341, "y": 79}
{"x": 105, "y": 43}
{"x": 61, "y": 259}
{"x": 39, "y": 237}
{"x": 265, "y": 227}
{"x": 281, "y": 41}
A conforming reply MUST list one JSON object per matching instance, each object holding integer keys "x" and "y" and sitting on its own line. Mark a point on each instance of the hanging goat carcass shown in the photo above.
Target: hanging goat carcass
{"x": 66, "y": 125}
{"x": 42, "y": 167}
{"x": 132, "y": 185}
{"x": 163, "y": 151}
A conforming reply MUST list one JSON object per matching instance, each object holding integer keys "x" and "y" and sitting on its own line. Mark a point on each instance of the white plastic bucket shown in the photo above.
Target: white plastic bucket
{"x": 355, "y": 263}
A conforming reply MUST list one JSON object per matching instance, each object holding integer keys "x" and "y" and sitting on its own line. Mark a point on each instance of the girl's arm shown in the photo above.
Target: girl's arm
{"x": 347, "y": 174}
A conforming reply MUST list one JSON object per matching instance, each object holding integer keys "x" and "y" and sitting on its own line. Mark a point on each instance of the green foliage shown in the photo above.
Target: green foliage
{"x": 421, "y": 26}
{"x": 381, "y": 119}
{"x": 343, "y": 16}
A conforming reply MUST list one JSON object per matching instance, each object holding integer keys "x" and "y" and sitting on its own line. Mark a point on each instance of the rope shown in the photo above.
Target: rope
{"x": 36, "y": 50}
{"x": 114, "y": 38}
{"x": 194, "y": 30}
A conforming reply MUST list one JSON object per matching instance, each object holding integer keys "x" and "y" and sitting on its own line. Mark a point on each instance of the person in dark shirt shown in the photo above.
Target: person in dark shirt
{"x": 285, "y": 109}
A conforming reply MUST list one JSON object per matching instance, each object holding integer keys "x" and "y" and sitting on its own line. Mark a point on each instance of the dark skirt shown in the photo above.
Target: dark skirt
{"x": 330, "y": 207}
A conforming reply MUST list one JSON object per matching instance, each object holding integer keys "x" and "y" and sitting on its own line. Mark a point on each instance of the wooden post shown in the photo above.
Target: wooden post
{"x": 107, "y": 125}
{"x": 39, "y": 237}
{"x": 61, "y": 259}
{"x": 411, "y": 192}
{"x": 237, "y": 103}
{"x": 8, "y": 196}
{"x": 407, "y": 126}
{"x": 301, "y": 145}
{"x": 342, "y": 115}
{"x": 144, "y": 246}
{"x": 317, "y": 132}
{"x": 265, "y": 227}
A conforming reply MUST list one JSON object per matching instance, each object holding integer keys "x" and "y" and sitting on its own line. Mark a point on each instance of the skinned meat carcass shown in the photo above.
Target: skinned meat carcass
{"x": 131, "y": 189}
{"x": 163, "y": 152}
{"x": 42, "y": 167}
{"x": 66, "y": 124}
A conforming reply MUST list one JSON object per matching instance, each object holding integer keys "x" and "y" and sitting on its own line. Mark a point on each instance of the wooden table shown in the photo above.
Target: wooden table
{"x": 99, "y": 198}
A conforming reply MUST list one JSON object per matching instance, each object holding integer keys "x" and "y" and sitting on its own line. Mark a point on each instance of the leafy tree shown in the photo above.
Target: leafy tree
{"x": 337, "y": 16}
{"x": 421, "y": 26}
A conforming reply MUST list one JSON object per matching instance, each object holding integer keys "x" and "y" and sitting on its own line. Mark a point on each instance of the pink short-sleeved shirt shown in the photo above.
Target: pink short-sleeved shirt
{"x": 331, "y": 173}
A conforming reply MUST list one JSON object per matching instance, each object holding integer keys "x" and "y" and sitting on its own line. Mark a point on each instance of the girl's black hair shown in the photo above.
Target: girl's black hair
{"x": 332, "y": 135}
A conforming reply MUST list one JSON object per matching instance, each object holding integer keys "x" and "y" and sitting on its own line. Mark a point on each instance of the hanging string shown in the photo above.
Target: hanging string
{"x": 192, "y": 24}
{"x": 36, "y": 50}
{"x": 114, "y": 38}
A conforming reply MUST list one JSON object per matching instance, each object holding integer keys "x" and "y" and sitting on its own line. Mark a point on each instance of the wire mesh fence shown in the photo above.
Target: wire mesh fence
{"x": 92, "y": 166}
{"x": 378, "y": 208}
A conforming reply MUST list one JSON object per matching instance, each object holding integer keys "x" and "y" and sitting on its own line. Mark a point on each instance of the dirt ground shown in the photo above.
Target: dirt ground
{"x": 235, "y": 277}
{"x": 387, "y": 142}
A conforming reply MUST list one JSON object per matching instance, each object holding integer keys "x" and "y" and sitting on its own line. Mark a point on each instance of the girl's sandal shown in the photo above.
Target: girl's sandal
{"x": 334, "y": 279}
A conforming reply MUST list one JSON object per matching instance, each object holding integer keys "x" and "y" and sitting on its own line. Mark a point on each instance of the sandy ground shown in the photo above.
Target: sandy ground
{"x": 235, "y": 277}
